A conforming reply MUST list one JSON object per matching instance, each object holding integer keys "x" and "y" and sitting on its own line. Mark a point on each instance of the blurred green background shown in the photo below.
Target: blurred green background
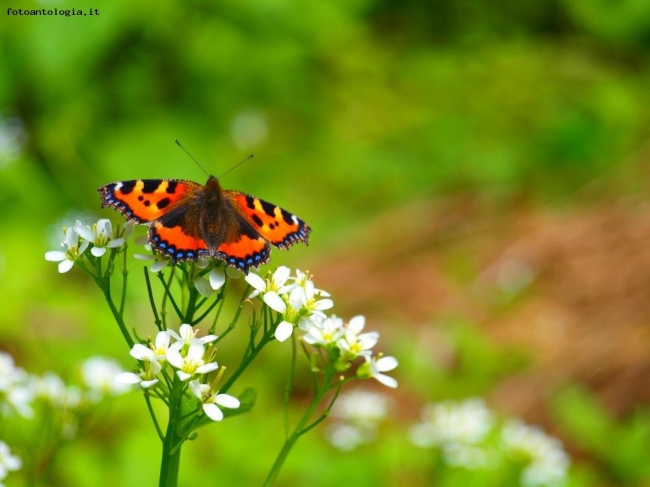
{"x": 474, "y": 172}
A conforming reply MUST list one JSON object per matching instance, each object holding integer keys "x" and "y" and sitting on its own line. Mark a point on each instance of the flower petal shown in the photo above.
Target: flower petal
{"x": 84, "y": 232}
{"x": 205, "y": 368}
{"x": 384, "y": 364}
{"x": 203, "y": 286}
{"x": 357, "y": 323}
{"x": 274, "y": 301}
{"x": 283, "y": 331}
{"x": 98, "y": 251}
{"x": 174, "y": 357}
{"x": 128, "y": 378}
{"x": 65, "y": 266}
{"x": 213, "y": 412}
{"x": 217, "y": 278}
{"x": 55, "y": 256}
{"x": 255, "y": 281}
{"x": 227, "y": 401}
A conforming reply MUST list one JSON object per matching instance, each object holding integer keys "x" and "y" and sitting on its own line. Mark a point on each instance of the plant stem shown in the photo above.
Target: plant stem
{"x": 301, "y": 428}
{"x": 171, "y": 453}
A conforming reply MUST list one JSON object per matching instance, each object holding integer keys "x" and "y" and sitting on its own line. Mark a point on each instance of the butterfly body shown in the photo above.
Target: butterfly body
{"x": 188, "y": 220}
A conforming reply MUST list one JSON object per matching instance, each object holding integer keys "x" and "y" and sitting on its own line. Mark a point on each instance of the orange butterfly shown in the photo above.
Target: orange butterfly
{"x": 188, "y": 220}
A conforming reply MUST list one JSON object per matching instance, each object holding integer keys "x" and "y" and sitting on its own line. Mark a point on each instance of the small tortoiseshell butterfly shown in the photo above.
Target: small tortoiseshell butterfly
{"x": 188, "y": 220}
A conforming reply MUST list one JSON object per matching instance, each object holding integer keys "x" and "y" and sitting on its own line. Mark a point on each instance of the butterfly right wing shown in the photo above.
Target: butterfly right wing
{"x": 145, "y": 200}
{"x": 275, "y": 224}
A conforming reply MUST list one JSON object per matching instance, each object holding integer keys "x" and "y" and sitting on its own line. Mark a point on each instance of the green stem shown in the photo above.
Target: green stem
{"x": 118, "y": 316}
{"x": 171, "y": 454}
{"x": 300, "y": 429}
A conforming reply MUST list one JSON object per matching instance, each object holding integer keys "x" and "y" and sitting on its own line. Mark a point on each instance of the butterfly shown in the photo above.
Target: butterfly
{"x": 188, "y": 220}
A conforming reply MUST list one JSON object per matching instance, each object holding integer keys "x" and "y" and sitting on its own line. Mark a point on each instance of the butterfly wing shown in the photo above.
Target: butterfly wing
{"x": 278, "y": 226}
{"x": 242, "y": 247}
{"x": 177, "y": 234}
{"x": 145, "y": 200}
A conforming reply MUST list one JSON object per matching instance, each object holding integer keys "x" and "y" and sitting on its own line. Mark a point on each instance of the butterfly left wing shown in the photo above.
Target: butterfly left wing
{"x": 278, "y": 226}
{"x": 145, "y": 200}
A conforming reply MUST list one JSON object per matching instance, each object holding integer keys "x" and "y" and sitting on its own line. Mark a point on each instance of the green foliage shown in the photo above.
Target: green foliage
{"x": 622, "y": 447}
{"x": 367, "y": 105}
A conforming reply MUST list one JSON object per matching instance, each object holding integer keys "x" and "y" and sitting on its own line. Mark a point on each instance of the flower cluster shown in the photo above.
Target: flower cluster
{"x": 294, "y": 297}
{"x": 469, "y": 435}
{"x": 302, "y": 305}
{"x": 189, "y": 357}
{"x": 545, "y": 459}
{"x": 458, "y": 429}
{"x": 8, "y": 461}
{"x": 63, "y": 404}
{"x": 79, "y": 237}
{"x": 356, "y": 418}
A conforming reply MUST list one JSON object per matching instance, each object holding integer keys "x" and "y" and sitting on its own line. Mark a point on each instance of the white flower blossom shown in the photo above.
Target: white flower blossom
{"x": 158, "y": 261}
{"x": 191, "y": 363}
{"x": 299, "y": 302}
{"x": 325, "y": 332}
{"x": 101, "y": 235}
{"x": 151, "y": 366}
{"x": 354, "y": 343}
{"x": 215, "y": 281}
{"x": 211, "y": 401}
{"x": 8, "y": 461}
{"x": 467, "y": 422}
{"x": 459, "y": 430}
{"x": 16, "y": 387}
{"x": 374, "y": 367}
{"x": 73, "y": 251}
{"x": 276, "y": 284}
{"x": 356, "y": 416}
{"x": 547, "y": 462}
{"x": 52, "y": 388}
{"x": 186, "y": 336}
{"x": 100, "y": 375}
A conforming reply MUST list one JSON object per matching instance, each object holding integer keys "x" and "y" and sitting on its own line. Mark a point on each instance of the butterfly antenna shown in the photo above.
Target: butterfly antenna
{"x": 237, "y": 165}
{"x": 191, "y": 156}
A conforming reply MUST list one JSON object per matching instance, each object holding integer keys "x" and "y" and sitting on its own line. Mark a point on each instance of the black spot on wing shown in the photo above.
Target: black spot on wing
{"x": 250, "y": 202}
{"x": 257, "y": 220}
{"x": 150, "y": 185}
{"x": 288, "y": 217}
{"x": 163, "y": 203}
{"x": 268, "y": 208}
{"x": 171, "y": 187}
{"x": 127, "y": 186}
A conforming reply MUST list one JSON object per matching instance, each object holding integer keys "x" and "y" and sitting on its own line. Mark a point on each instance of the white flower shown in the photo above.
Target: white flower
{"x": 212, "y": 401}
{"x": 315, "y": 302}
{"x": 547, "y": 462}
{"x": 374, "y": 368}
{"x": 192, "y": 363}
{"x": 52, "y": 388}
{"x": 283, "y": 331}
{"x": 187, "y": 337}
{"x": 449, "y": 422}
{"x": 100, "y": 374}
{"x": 161, "y": 344}
{"x": 15, "y": 385}
{"x": 8, "y": 461}
{"x": 101, "y": 235}
{"x": 276, "y": 284}
{"x": 73, "y": 250}
{"x": 159, "y": 261}
{"x": 354, "y": 343}
{"x": 325, "y": 332}
{"x": 357, "y": 415}
{"x": 216, "y": 279}
{"x": 361, "y": 407}
{"x": 146, "y": 377}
